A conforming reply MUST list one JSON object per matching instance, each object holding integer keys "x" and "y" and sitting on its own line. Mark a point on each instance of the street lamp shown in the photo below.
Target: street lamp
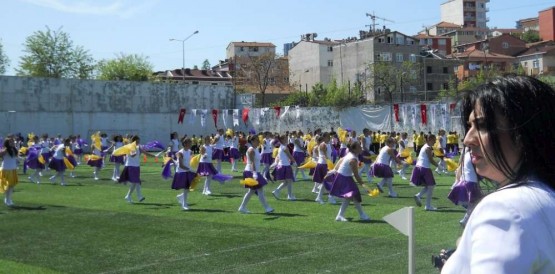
{"x": 183, "y": 47}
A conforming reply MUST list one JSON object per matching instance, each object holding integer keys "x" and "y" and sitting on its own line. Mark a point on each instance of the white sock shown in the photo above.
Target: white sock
{"x": 246, "y": 199}
{"x": 343, "y": 208}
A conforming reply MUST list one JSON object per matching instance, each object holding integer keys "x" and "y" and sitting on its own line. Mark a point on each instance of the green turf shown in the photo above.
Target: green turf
{"x": 87, "y": 227}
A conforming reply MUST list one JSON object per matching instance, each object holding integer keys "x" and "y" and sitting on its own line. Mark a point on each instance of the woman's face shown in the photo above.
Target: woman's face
{"x": 478, "y": 140}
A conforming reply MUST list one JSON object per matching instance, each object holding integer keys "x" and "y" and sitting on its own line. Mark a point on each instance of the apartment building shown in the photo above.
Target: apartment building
{"x": 467, "y": 13}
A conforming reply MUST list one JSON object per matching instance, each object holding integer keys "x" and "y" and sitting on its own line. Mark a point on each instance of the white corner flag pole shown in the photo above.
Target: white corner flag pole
{"x": 403, "y": 220}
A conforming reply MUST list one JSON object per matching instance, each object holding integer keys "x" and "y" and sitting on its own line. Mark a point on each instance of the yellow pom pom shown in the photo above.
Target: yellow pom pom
{"x": 249, "y": 182}
{"x": 451, "y": 165}
{"x": 309, "y": 164}
{"x": 405, "y": 153}
{"x": 374, "y": 193}
{"x": 195, "y": 182}
{"x": 125, "y": 150}
{"x": 409, "y": 160}
{"x": 330, "y": 164}
{"x": 194, "y": 161}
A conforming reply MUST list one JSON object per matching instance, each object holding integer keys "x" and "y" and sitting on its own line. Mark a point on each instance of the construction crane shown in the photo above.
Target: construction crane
{"x": 373, "y": 17}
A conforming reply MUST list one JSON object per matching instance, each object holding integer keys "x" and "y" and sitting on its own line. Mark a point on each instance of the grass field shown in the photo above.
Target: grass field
{"x": 88, "y": 227}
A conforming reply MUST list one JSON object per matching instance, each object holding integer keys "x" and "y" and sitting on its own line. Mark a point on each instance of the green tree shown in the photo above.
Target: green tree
{"x": 206, "y": 65}
{"x": 258, "y": 69}
{"x": 4, "y": 60}
{"x": 530, "y": 36}
{"x": 128, "y": 67}
{"x": 52, "y": 54}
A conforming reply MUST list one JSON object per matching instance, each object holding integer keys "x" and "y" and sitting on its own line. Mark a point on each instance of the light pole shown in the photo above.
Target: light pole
{"x": 183, "y": 48}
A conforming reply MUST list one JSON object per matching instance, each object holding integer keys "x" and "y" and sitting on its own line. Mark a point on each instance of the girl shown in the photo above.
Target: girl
{"x": 98, "y": 162}
{"x": 234, "y": 151}
{"x": 382, "y": 169}
{"x": 364, "y": 157}
{"x": 205, "y": 167}
{"x": 57, "y": 162}
{"x": 8, "y": 170}
{"x": 252, "y": 171}
{"x": 344, "y": 185}
{"x": 184, "y": 175}
{"x": 324, "y": 154}
{"x": 422, "y": 173}
{"x": 403, "y": 149}
{"x": 218, "y": 153}
{"x": 466, "y": 189}
{"x": 267, "y": 159}
{"x": 33, "y": 161}
{"x": 79, "y": 144}
{"x": 284, "y": 171}
{"x": 173, "y": 146}
{"x": 132, "y": 171}
{"x": 299, "y": 153}
{"x": 117, "y": 142}
{"x": 442, "y": 148}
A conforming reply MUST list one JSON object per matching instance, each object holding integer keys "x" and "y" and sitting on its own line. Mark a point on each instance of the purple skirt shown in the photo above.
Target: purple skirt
{"x": 102, "y": 153}
{"x": 72, "y": 160}
{"x": 117, "y": 159}
{"x": 311, "y": 172}
{"x": 345, "y": 187}
{"x": 284, "y": 173}
{"x": 130, "y": 174}
{"x": 57, "y": 164}
{"x": 320, "y": 172}
{"x": 261, "y": 181}
{"x": 206, "y": 169}
{"x": 365, "y": 157}
{"x": 182, "y": 180}
{"x": 299, "y": 157}
{"x": 422, "y": 176}
{"x": 35, "y": 164}
{"x": 78, "y": 151}
{"x": 234, "y": 153}
{"x": 381, "y": 171}
{"x": 218, "y": 154}
{"x": 342, "y": 152}
{"x": 95, "y": 163}
{"x": 46, "y": 156}
{"x": 266, "y": 158}
{"x": 465, "y": 192}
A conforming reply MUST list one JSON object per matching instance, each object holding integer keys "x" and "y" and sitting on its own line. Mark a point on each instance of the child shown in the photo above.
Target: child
{"x": 33, "y": 161}
{"x": 344, "y": 185}
{"x": 324, "y": 155}
{"x": 299, "y": 152}
{"x": 466, "y": 190}
{"x": 8, "y": 170}
{"x": 205, "y": 167}
{"x": 422, "y": 173}
{"x": 252, "y": 171}
{"x": 284, "y": 171}
{"x": 184, "y": 175}
{"x": 117, "y": 142}
{"x": 267, "y": 159}
{"x": 403, "y": 154}
{"x": 57, "y": 161}
{"x": 96, "y": 162}
{"x": 173, "y": 146}
{"x": 382, "y": 169}
{"x": 218, "y": 153}
{"x": 132, "y": 171}
{"x": 234, "y": 155}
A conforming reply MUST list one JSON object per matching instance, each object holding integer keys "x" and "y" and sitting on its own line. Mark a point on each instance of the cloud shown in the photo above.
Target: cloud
{"x": 121, "y": 8}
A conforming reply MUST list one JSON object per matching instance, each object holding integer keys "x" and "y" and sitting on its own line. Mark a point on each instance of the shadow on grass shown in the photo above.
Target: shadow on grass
{"x": 449, "y": 210}
{"x": 226, "y": 195}
{"x": 207, "y": 210}
{"x": 16, "y": 207}
{"x": 274, "y": 215}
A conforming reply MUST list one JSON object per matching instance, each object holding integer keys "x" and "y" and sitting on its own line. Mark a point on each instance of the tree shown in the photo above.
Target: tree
{"x": 530, "y": 36}
{"x": 257, "y": 69}
{"x": 52, "y": 54}
{"x": 206, "y": 65}
{"x": 131, "y": 67}
{"x": 4, "y": 60}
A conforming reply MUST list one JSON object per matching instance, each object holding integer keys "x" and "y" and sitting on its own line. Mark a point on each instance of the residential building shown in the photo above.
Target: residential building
{"x": 467, "y": 13}
{"x": 505, "y": 44}
{"x": 528, "y": 24}
{"x": 475, "y": 58}
{"x": 311, "y": 61}
{"x": 441, "y": 28}
{"x": 466, "y": 35}
{"x": 245, "y": 49}
{"x": 440, "y": 43}
{"x": 499, "y": 32}
{"x": 195, "y": 77}
{"x": 547, "y": 24}
{"x": 539, "y": 59}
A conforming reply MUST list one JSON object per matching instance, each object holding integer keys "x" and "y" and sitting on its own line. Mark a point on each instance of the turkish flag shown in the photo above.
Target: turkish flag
{"x": 278, "y": 110}
{"x": 396, "y": 112}
{"x": 181, "y": 116}
{"x": 245, "y": 115}
{"x": 423, "y": 114}
{"x": 215, "y": 117}
{"x": 452, "y": 107}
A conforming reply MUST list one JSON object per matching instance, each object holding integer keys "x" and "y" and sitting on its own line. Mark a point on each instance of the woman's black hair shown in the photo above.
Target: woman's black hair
{"x": 528, "y": 106}
{"x": 12, "y": 151}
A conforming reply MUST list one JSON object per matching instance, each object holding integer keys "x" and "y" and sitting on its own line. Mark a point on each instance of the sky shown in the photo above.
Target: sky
{"x": 107, "y": 28}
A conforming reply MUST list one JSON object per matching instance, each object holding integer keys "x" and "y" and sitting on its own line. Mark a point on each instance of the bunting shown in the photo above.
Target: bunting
{"x": 423, "y": 114}
{"x": 278, "y": 111}
{"x": 203, "y": 113}
{"x": 192, "y": 116}
{"x": 215, "y": 117}
{"x": 298, "y": 111}
{"x": 235, "y": 117}
{"x": 224, "y": 116}
{"x": 396, "y": 112}
{"x": 181, "y": 116}
{"x": 245, "y": 115}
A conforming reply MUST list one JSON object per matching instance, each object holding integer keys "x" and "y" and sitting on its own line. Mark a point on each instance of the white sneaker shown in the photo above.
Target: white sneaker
{"x": 114, "y": 179}
{"x": 269, "y": 210}
{"x": 63, "y": 184}
{"x": 72, "y": 175}
{"x": 207, "y": 192}
{"x": 243, "y": 210}
{"x": 291, "y": 198}
{"x": 276, "y": 194}
{"x": 185, "y": 207}
{"x": 331, "y": 200}
{"x": 320, "y": 201}
{"x": 341, "y": 219}
{"x": 393, "y": 195}
{"x": 431, "y": 208}
{"x": 404, "y": 178}
{"x": 128, "y": 199}
{"x": 364, "y": 218}
{"x": 417, "y": 200}
{"x": 96, "y": 178}
{"x": 179, "y": 198}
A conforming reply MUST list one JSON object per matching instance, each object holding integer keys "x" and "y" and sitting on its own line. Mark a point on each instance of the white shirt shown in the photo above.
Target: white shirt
{"x": 174, "y": 145}
{"x": 297, "y": 148}
{"x": 248, "y": 166}
{"x": 510, "y": 231}
{"x": 207, "y": 156}
{"x": 9, "y": 162}
{"x": 345, "y": 168}
{"x": 384, "y": 157}
{"x": 186, "y": 160}
{"x": 59, "y": 152}
{"x": 267, "y": 146}
{"x": 133, "y": 160}
{"x": 283, "y": 159}
{"x": 219, "y": 144}
{"x": 423, "y": 160}
{"x": 323, "y": 157}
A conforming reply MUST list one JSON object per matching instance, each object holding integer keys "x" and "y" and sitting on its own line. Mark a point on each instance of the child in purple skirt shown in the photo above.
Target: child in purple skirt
{"x": 422, "y": 173}
{"x": 382, "y": 169}
{"x": 234, "y": 155}
{"x": 344, "y": 186}
{"x": 321, "y": 170}
{"x": 57, "y": 162}
{"x": 205, "y": 167}
{"x": 184, "y": 175}
{"x": 98, "y": 162}
{"x": 284, "y": 171}
{"x": 132, "y": 171}
{"x": 119, "y": 160}
{"x": 466, "y": 190}
{"x": 218, "y": 151}
{"x": 252, "y": 171}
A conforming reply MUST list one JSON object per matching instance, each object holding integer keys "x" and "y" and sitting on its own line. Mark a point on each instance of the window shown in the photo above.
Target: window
{"x": 330, "y": 63}
{"x": 422, "y": 42}
{"x": 386, "y": 56}
{"x": 525, "y": 64}
{"x": 389, "y": 40}
{"x": 399, "y": 58}
{"x": 442, "y": 42}
{"x": 536, "y": 64}
{"x": 195, "y": 82}
{"x": 381, "y": 40}
{"x": 428, "y": 69}
{"x": 412, "y": 58}
{"x": 241, "y": 49}
{"x": 429, "y": 86}
{"x": 505, "y": 45}
{"x": 412, "y": 89}
{"x": 330, "y": 48}
{"x": 445, "y": 70}
{"x": 400, "y": 40}
{"x": 445, "y": 86}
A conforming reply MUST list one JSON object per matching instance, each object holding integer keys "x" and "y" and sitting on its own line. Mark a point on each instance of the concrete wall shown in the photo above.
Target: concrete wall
{"x": 69, "y": 106}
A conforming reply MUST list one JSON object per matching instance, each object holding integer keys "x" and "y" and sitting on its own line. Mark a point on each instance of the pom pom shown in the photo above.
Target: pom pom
{"x": 249, "y": 182}
{"x": 194, "y": 161}
{"x": 309, "y": 164}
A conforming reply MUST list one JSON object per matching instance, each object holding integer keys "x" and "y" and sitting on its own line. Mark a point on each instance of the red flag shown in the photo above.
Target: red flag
{"x": 452, "y": 107}
{"x": 245, "y": 115}
{"x": 278, "y": 110}
{"x": 181, "y": 116}
{"x": 423, "y": 113}
{"x": 396, "y": 111}
{"x": 215, "y": 117}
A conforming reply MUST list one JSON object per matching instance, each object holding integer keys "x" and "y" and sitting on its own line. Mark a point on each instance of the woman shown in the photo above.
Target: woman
{"x": 344, "y": 185}
{"x": 510, "y": 124}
